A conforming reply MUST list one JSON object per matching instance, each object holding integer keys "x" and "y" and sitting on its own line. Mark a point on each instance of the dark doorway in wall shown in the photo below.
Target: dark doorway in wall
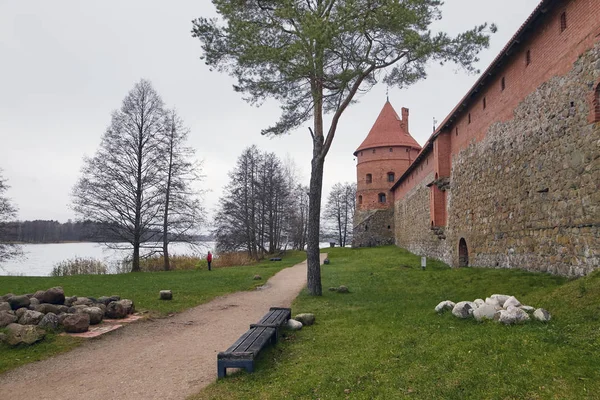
{"x": 463, "y": 253}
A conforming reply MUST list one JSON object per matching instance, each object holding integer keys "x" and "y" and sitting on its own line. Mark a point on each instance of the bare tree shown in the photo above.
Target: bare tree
{"x": 254, "y": 207}
{"x": 339, "y": 210}
{"x": 182, "y": 208}
{"x": 298, "y": 218}
{"x": 7, "y": 213}
{"x": 122, "y": 184}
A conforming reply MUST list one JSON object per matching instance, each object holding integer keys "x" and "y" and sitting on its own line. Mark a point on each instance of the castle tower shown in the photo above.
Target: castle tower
{"x": 382, "y": 158}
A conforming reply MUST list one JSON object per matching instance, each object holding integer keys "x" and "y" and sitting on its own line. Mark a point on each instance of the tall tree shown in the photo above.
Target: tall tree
{"x": 339, "y": 210}
{"x": 315, "y": 55}
{"x": 182, "y": 209}
{"x": 122, "y": 184}
{"x": 7, "y": 213}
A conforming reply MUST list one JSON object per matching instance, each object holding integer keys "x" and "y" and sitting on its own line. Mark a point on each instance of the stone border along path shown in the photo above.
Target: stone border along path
{"x": 167, "y": 358}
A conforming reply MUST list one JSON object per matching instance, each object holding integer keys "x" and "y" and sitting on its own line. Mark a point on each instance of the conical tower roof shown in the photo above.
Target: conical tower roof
{"x": 387, "y": 131}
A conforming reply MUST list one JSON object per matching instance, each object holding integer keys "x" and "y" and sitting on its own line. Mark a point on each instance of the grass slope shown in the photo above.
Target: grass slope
{"x": 384, "y": 341}
{"x": 190, "y": 288}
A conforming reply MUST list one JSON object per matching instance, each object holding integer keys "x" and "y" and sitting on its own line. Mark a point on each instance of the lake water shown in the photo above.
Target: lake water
{"x": 39, "y": 259}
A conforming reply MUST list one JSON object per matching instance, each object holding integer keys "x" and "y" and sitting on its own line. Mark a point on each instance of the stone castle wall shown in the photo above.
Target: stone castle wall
{"x": 373, "y": 228}
{"x": 528, "y": 194}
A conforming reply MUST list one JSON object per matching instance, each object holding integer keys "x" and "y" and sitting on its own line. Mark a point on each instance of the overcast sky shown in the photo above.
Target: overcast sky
{"x": 65, "y": 65}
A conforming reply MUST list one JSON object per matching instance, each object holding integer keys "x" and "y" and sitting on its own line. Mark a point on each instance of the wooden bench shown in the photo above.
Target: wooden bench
{"x": 243, "y": 352}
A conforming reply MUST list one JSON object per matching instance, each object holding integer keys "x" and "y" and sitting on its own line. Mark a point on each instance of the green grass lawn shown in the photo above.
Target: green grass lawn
{"x": 190, "y": 288}
{"x": 384, "y": 340}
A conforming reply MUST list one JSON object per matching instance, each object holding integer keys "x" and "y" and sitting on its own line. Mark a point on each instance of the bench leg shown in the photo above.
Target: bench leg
{"x": 221, "y": 370}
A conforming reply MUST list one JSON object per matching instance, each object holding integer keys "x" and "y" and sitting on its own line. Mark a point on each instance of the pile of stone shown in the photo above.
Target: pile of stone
{"x": 28, "y": 316}
{"x": 499, "y": 307}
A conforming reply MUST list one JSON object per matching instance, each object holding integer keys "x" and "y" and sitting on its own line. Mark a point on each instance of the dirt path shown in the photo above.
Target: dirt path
{"x": 170, "y": 358}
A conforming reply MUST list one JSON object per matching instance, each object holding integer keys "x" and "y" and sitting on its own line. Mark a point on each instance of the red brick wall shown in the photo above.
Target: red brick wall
{"x": 552, "y": 53}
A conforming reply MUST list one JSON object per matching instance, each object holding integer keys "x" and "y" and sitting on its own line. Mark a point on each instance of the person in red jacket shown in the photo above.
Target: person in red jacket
{"x": 209, "y": 259}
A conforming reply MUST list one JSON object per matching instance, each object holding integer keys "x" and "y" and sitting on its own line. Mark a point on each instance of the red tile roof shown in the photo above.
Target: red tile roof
{"x": 387, "y": 131}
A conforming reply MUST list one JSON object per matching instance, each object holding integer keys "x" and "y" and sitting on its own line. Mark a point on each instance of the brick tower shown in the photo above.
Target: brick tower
{"x": 382, "y": 158}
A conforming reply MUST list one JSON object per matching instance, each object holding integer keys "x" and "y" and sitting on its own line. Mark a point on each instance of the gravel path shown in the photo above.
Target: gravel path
{"x": 169, "y": 358}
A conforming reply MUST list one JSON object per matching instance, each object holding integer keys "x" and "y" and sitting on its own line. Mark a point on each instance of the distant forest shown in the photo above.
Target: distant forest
{"x": 43, "y": 231}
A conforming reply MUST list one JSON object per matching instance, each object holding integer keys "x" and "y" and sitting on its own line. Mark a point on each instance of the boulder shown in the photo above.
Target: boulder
{"x": 542, "y": 315}
{"x": 82, "y": 301}
{"x": 19, "y": 313}
{"x": 305, "y": 318}
{"x": 100, "y": 306}
{"x": 50, "y": 322}
{"x": 5, "y": 306}
{"x": 76, "y": 323}
{"x": 511, "y": 316}
{"x": 6, "y": 297}
{"x": 33, "y": 302}
{"x": 70, "y": 300}
{"x": 492, "y": 302}
{"x": 6, "y": 318}
{"x": 115, "y": 309}
{"x": 31, "y": 318}
{"x": 62, "y": 316}
{"x": 104, "y": 300}
{"x": 45, "y": 308}
{"x": 445, "y": 305}
{"x": 2, "y": 337}
{"x": 165, "y": 295}
{"x": 55, "y": 295}
{"x": 511, "y": 301}
{"x": 77, "y": 308}
{"x": 257, "y": 277}
{"x": 501, "y": 298}
{"x": 464, "y": 309}
{"x": 39, "y": 295}
{"x": 343, "y": 289}
{"x": 17, "y": 302}
{"x": 486, "y": 311}
{"x": 114, "y": 298}
{"x": 293, "y": 325}
{"x": 527, "y": 309}
{"x": 26, "y": 334}
{"x": 333, "y": 289}
{"x": 129, "y": 306}
{"x": 479, "y": 302}
{"x": 96, "y": 314}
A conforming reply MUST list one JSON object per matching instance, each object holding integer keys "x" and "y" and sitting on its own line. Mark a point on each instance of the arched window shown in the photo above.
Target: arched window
{"x": 597, "y": 104}
{"x": 382, "y": 198}
{"x": 563, "y": 21}
{"x": 391, "y": 177}
{"x": 463, "y": 253}
{"x": 359, "y": 199}
{"x": 369, "y": 178}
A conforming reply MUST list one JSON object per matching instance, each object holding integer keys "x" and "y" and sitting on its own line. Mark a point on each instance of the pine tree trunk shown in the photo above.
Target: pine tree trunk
{"x": 313, "y": 277}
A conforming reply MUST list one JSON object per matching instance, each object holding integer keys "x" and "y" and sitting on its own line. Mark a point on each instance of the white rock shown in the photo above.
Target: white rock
{"x": 445, "y": 305}
{"x": 479, "y": 302}
{"x": 293, "y": 325}
{"x": 501, "y": 298}
{"x": 527, "y": 309}
{"x": 542, "y": 315}
{"x": 492, "y": 302}
{"x": 464, "y": 309}
{"x": 511, "y": 301}
{"x": 512, "y": 316}
{"x": 486, "y": 311}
